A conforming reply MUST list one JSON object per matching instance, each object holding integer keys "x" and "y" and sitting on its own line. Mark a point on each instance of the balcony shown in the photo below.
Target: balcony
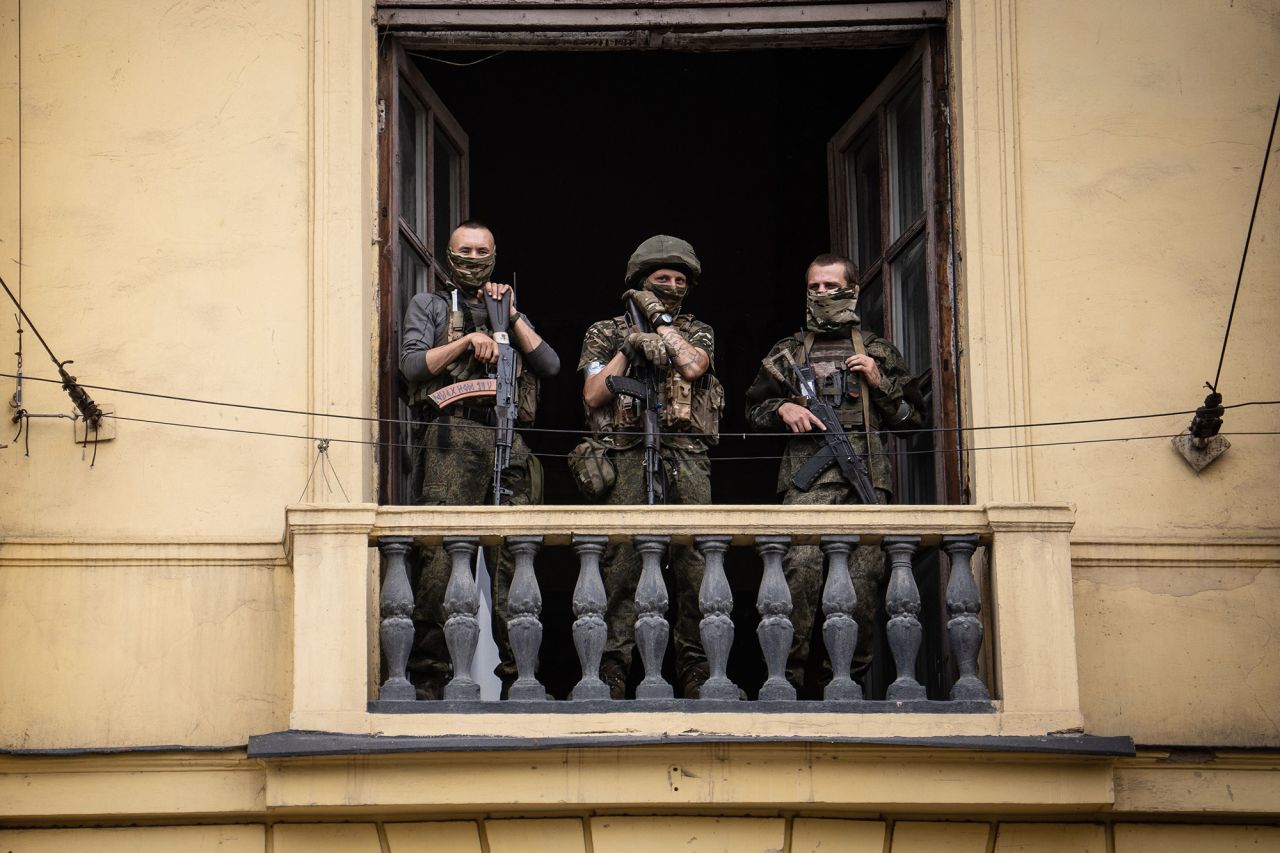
{"x": 1015, "y": 677}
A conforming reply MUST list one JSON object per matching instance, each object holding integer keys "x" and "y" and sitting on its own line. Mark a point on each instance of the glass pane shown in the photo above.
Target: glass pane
{"x": 911, "y": 307}
{"x": 871, "y": 306}
{"x": 447, "y": 192}
{"x": 411, "y": 143}
{"x": 864, "y": 192}
{"x": 916, "y": 479}
{"x": 413, "y": 275}
{"x": 906, "y": 162}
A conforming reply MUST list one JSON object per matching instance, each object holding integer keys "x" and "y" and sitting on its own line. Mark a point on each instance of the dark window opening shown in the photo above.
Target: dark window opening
{"x": 761, "y": 159}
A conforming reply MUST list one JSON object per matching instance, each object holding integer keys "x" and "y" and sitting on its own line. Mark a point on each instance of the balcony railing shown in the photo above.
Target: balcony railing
{"x": 902, "y": 603}
{"x": 1022, "y": 676}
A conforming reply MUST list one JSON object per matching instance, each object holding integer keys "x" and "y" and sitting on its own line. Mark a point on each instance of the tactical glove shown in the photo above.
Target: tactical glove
{"x": 648, "y": 303}
{"x": 647, "y": 344}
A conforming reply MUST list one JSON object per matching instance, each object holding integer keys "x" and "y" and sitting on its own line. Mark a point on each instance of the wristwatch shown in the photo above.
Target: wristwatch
{"x": 663, "y": 319}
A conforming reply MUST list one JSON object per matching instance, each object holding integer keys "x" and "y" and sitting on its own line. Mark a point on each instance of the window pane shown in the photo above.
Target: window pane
{"x": 911, "y": 335}
{"x": 411, "y": 145}
{"x": 864, "y": 192}
{"x": 911, "y": 307}
{"x": 413, "y": 274}
{"x": 871, "y": 306}
{"x": 447, "y": 193}
{"x": 906, "y": 190}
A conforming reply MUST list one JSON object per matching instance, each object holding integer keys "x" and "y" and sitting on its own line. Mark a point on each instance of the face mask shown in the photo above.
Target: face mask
{"x": 470, "y": 274}
{"x": 670, "y": 295}
{"x": 831, "y": 311}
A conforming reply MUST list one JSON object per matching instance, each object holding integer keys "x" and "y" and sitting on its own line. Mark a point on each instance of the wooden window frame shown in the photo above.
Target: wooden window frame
{"x": 926, "y": 62}
{"x": 396, "y": 71}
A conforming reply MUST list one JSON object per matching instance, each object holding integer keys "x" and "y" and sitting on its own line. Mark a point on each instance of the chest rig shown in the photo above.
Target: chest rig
{"x": 687, "y": 405}
{"x": 844, "y": 389}
{"x": 463, "y": 321}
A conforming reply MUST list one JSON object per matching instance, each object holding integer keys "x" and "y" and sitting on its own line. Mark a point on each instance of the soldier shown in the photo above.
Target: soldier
{"x": 446, "y": 340}
{"x": 681, "y": 349}
{"x": 861, "y": 375}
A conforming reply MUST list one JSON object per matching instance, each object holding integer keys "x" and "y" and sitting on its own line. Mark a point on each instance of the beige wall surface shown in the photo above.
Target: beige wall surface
{"x": 1141, "y": 128}
{"x": 164, "y": 228}
{"x": 1180, "y": 652}
{"x": 189, "y": 839}
{"x": 188, "y": 648}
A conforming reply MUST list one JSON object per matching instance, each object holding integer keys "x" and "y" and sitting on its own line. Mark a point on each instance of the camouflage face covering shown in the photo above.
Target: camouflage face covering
{"x": 670, "y": 295}
{"x": 831, "y": 311}
{"x": 470, "y": 274}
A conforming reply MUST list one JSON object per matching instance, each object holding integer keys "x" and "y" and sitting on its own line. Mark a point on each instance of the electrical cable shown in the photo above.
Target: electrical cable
{"x": 553, "y": 431}
{"x": 1266, "y": 158}
{"x": 548, "y": 455}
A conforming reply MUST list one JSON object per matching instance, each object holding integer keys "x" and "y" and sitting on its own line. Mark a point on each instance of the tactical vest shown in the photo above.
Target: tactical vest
{"x": 463, "y": 322}
{"x": 837, "y": 385}
{"x": 692, "y": 406}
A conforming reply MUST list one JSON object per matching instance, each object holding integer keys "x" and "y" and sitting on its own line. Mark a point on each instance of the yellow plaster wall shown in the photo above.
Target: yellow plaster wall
{"x": 1180, "y": 652}
{"x": 1153, "y": 838}
{"x": 1140, "y": 129}
{"x": 188, "y": 647}
{"x": 189, "y": 839}
{"x": 165, "y": 227}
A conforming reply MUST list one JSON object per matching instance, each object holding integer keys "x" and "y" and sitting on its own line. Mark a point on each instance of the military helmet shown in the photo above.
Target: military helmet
{"x": 663, "y": 252}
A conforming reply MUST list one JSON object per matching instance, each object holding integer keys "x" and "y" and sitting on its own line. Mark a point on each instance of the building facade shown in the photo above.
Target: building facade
{"x": 225, "y": 205}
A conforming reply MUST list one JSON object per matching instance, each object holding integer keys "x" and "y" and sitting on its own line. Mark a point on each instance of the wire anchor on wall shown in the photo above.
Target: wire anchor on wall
{"x": 322, "y": 453}
{"x": 88, "y": 409}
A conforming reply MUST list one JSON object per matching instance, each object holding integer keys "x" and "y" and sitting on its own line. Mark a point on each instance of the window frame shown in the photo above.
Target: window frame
{"x": 924, "y": 62}
{"x": 396, "y": 72}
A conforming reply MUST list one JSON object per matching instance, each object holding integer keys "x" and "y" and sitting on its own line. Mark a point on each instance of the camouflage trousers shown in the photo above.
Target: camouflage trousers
{"x": 688, "y": 482}
{"x": 455, "y": 459}
{"x": 803, "y": 567}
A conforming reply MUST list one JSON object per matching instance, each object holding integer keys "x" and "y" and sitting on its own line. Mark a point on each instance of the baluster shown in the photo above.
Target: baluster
{"x": 652, "y": 628}
{"x": 963, "y": 625}
{"x": 903, "y": 605}
{"x": 461, "y": 627}
{"x": 775, "y": 630}
{"x": 715, "y": 600}
{"x": 840, "y": 630}
{"x": 396, "y": 609}
{"x": 524, "y": 625}
{"x": 589, "y": 629}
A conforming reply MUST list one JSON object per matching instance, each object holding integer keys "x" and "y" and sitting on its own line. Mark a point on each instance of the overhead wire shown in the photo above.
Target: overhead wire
{"x": 550, "y": 455}
{"x": 1266, "y": 158}
{"x": 561, "y": 431}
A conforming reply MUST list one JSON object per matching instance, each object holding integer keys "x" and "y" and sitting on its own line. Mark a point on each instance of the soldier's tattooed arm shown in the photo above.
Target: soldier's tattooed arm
{"x": 595, "y": 393}
{"x": 688, "y": 360}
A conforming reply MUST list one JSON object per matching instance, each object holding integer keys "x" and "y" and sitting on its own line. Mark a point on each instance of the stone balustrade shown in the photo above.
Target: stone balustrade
{"x": 1009, "y": 640}
{"x": 837, "y": 621}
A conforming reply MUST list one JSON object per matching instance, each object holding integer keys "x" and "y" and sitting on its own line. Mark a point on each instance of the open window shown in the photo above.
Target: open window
{"x": 888, "y": 214}
{"x": 424, "y": 193}
{"x": 761, "y": 158}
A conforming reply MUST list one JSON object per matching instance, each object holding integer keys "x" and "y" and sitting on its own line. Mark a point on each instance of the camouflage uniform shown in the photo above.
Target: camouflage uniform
{"x": 688, "y": 482}
{"x": 803, "y": 564}
{"x": 453, "y": 465}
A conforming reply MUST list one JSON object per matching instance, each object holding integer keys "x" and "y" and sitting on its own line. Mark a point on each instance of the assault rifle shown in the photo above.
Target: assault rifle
{"x": 836, "y": 447}
{"x": 504, "y": 402}
{"x": 642, "y": 386}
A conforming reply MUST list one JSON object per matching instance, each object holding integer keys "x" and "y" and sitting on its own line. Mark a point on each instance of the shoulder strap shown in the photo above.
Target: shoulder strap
{"x": 860, "y": 348}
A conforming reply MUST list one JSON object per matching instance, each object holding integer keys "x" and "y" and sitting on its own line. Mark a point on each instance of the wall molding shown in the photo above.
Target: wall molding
{"x": 1164, "y": 554}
